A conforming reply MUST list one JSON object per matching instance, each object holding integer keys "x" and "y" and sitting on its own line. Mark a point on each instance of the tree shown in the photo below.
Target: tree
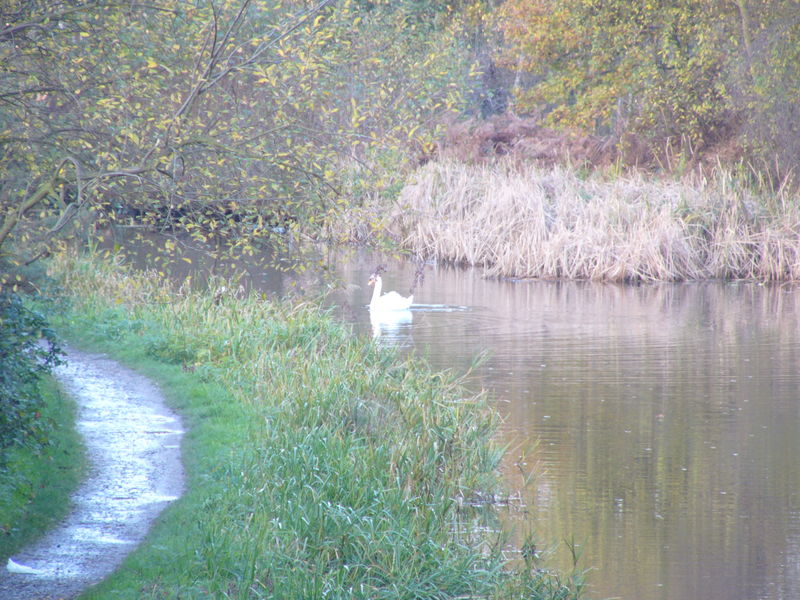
{"x": 611, "y": 66}
{"x": 225, "y": 120}
{"x": 662, "y": 69}
{"x": 764, "y": 84}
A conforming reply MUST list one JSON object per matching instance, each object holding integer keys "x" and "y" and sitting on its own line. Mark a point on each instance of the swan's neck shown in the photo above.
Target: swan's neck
{"x": 376, "y": 293}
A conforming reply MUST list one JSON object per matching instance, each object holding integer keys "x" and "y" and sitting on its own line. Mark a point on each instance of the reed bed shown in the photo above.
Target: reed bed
{"x": 531, "y": 222}
{"x": 319, "y": 465}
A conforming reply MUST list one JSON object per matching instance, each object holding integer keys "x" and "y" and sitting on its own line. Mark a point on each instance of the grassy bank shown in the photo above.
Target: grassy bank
{"x": 35, "y": 484}
{"x": 318, "y": 465}
{"x": 525, "y": 221}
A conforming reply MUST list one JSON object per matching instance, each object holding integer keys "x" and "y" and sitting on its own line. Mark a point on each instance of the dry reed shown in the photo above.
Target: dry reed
{"x": 525, "y": 221}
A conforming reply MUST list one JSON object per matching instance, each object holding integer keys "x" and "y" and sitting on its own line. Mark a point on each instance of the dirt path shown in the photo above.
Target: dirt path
{"x": 133, "y": 448}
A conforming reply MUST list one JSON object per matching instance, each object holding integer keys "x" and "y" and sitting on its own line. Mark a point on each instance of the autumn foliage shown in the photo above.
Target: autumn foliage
{"x": 689, "y": 74}
{"x": 226, "y": 120}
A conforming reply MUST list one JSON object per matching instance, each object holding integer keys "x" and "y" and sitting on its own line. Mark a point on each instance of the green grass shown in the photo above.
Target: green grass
{"x": 35, "y": 485}
{"x": 318, "y": 464}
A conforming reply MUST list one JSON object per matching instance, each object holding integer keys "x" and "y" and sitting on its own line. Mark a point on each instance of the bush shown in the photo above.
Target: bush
{"x": 23, "y": 360}
{"x": 699, "y": 76}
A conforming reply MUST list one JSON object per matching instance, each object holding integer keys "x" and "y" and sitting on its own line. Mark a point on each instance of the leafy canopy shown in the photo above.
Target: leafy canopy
{"x": 225, "y": 120}
{"x": 696, "y": 71}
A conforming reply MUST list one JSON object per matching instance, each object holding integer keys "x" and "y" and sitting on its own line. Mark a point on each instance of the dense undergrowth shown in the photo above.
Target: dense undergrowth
{"x": 35, "y": 481}
{"x": 318, "y": 464}
{"x": 40, "y": 455}
{"x": 28, "y": 350}
{"x": 527, "y": 221}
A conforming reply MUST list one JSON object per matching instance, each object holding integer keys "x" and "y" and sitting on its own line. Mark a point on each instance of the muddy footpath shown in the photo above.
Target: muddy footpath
{"x": 134, "y": 471}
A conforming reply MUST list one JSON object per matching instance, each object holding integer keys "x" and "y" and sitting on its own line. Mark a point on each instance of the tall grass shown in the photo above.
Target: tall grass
{"x": 319, "y": 465}
{"x": 525, "y": 221}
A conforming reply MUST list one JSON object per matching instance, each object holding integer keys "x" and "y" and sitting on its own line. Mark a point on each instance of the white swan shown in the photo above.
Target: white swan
{"x": 388, "y": 301}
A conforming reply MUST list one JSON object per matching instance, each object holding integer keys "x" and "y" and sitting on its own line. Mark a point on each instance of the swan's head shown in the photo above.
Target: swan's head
{"x": 373, "y": 279}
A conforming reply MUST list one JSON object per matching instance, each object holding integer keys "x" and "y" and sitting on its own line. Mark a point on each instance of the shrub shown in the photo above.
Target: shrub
{"x": 688, "y": 75}
{"x": 23, "y": 359}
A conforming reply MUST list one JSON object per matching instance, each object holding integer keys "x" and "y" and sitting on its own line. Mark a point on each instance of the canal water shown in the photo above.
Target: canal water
{"x": 654, "y": 427}
{"x": 661, "y": 423}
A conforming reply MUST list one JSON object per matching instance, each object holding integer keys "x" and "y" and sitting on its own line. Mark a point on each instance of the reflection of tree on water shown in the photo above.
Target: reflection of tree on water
{"x": 270, "y": 270}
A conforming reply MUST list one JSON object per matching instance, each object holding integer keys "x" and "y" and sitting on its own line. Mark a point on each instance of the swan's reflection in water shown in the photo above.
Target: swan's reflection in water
{"x": 392, "y": 327}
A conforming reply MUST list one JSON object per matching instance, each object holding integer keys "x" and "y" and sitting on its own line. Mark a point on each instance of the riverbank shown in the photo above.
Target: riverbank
{"x": 317, "y": 463}
{"x": 520, "y": 220}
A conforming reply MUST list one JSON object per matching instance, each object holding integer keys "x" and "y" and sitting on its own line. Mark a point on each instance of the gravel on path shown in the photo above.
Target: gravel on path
{"x": 134, "y": 471}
